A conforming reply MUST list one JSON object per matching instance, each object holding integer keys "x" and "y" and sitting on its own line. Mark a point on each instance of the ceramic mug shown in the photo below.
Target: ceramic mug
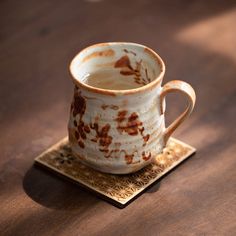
{"x": 121, "y": 131}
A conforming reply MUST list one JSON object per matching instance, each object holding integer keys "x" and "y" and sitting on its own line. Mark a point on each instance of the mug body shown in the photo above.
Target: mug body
{"x": 117, "y": 130}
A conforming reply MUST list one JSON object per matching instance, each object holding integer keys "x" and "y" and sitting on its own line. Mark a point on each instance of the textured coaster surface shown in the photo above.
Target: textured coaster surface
{"x": 118, "y": 189}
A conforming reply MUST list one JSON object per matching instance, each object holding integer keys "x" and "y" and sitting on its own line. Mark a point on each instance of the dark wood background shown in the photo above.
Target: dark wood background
{"x": 197, "y": 40}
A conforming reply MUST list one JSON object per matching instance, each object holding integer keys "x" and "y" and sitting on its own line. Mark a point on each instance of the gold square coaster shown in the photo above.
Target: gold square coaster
{"x": 117, "y": 189}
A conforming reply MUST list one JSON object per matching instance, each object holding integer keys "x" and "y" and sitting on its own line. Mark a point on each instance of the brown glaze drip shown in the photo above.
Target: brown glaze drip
{"x": 113, "y": 107}
{"x": 146, "y": 157}
{"x": 127, "y": 70}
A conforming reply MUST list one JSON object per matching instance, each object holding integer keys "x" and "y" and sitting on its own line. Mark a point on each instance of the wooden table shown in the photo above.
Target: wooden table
{"x": 197, "y": 40}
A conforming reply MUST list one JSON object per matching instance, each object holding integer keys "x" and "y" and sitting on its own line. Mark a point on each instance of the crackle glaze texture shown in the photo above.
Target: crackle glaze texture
{"x": 117, "y": 131}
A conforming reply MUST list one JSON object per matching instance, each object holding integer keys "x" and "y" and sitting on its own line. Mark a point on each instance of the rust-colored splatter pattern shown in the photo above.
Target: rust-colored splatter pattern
{"x": 104, "y": 140}
{"x": 127, "y": 69}
{"x": 131, "y": 125}
{"x": 113, "y": 107}
{"x": 114, "y": 153}
{"x": 78, "y": 107}
{"x": 117, "y": 153}
{"x": 102, "y": 137}
{"x": 145, "y": 156}
{"x": 145, "y": 137}
{"x": 129, "y": 158}
{"x": 81, "y": 130}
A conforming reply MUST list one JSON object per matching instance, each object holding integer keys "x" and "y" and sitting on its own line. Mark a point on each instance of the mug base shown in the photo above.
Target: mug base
{"x": 119, "y": 170}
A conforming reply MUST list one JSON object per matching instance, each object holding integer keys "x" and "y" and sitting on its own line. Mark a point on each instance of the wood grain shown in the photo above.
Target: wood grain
{"x": 37, "y": 41}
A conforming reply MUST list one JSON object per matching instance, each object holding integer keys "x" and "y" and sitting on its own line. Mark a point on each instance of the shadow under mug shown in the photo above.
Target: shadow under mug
{"x": 120, "y": 131}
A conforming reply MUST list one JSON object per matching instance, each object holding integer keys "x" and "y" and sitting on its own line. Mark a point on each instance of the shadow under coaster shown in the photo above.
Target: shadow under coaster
{"x": 117, "y": 189}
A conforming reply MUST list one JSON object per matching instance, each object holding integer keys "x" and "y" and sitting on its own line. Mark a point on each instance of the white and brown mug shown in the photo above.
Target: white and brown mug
{"x": 117, "y": 130}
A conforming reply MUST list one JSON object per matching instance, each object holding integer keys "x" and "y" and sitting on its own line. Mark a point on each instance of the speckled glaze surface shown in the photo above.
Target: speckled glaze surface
{"x": 121, "y": 131}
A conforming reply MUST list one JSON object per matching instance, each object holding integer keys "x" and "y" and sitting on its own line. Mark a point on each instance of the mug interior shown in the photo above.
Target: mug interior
{"x": 116, "y": 66}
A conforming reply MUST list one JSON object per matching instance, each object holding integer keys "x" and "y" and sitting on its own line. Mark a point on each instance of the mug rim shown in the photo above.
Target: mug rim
{"x": 144, "y": 88}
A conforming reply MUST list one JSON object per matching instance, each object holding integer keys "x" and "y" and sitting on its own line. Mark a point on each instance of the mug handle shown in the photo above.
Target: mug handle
{"x": 186, "y": 89}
